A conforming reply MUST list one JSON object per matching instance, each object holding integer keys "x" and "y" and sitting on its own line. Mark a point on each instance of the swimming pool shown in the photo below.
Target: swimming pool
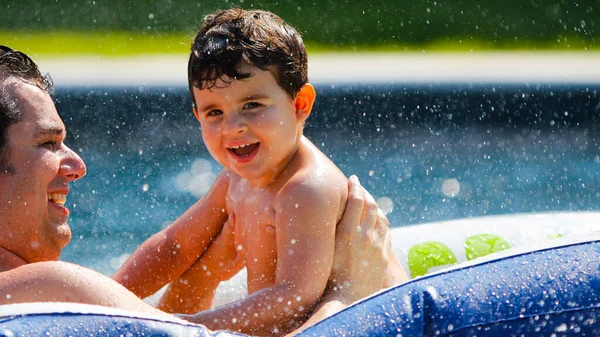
{"x": 427, "y": 152}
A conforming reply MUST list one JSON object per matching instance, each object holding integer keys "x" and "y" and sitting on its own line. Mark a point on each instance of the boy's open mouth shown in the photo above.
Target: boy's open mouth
{"x": 244, "y": 150}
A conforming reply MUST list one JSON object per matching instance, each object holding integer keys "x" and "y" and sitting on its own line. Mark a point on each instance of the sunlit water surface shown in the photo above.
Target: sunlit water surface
{"x": 426, "y": 152}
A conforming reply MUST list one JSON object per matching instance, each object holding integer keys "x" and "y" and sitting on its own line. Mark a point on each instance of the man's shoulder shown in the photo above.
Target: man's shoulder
{"x": 46, "y": 269}
{"x": 41, "y": 281}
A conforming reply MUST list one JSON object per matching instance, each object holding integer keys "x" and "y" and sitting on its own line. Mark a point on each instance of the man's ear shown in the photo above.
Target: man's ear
{"x": 304, "y": 102}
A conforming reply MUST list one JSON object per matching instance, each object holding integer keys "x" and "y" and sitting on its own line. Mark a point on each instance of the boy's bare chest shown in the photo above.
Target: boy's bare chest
{"x": 255, "y": 235}
{"x": 254, "y": 219}
{"x": 252, "y": 209}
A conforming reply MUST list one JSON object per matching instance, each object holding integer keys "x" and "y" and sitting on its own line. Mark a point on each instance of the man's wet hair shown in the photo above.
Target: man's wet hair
{"x": 231, "y": 38}
{"x": 15, "y": 64}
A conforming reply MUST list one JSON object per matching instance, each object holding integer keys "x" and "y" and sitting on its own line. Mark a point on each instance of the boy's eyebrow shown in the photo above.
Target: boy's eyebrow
{"x": 253, "y": 97}
{"x": 208, "y": 107}
{"x": 244, "y": 99}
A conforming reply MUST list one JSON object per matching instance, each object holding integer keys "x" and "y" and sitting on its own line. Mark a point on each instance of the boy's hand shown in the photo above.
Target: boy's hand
{"x": 362, "y": 247}
{"x": 221, "y": 258}
{"x": 194, "y": 290}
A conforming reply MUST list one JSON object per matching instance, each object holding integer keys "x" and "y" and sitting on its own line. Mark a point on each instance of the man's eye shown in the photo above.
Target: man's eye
{"x": 52, "y": 145}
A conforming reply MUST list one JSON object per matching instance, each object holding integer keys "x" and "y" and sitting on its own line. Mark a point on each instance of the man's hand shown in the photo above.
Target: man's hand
{"x": 362, "y": 248}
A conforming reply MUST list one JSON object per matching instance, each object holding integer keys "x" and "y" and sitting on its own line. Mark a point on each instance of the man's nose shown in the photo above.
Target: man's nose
{"x": 72, "y": 166}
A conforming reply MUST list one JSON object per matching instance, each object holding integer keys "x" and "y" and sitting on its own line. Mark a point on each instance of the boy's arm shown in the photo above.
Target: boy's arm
{"x": 195, "y": 289}
{"x": 305, "y": 245}
{"x": 170, "y": 252}
{"x": 361, "y": 235}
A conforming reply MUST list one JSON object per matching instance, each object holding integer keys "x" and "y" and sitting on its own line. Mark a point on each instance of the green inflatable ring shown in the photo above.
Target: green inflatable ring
{"x": 484, "y": 244}
{"x": 425, "y": 255}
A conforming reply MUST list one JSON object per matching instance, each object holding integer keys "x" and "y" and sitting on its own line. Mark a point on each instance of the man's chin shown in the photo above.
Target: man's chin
{"x": 63, "y": 235}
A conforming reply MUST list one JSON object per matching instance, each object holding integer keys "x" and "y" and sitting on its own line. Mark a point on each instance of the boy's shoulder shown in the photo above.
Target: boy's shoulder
{"x": 318, "y": 180}
{"x": 320, "y": 193}
{"x": 316, "y": 169}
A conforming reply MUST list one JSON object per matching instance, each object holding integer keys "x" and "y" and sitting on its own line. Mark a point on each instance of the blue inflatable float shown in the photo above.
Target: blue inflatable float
{"x": 550, "y": 289}
{"x": 553, "y": 290}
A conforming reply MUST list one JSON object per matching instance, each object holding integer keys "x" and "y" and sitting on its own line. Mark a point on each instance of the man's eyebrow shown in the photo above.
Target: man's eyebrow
{"x": 50, "y": 130}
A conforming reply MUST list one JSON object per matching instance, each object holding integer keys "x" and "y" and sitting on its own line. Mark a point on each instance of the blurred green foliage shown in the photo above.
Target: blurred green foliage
{"x": 338, "y": 24}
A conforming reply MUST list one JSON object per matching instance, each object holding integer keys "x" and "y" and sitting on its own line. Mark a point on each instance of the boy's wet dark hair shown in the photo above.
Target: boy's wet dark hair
{"x": 230, "y": 38}
{"x": 15, "y": 64}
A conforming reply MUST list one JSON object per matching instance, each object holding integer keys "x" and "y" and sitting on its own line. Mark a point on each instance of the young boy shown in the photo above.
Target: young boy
{"x": 248, "y": 80}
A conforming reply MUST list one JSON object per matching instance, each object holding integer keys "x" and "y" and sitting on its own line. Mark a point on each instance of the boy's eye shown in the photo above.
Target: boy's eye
{"x": 214, "y": 113}
{"x": 251, "y": 105}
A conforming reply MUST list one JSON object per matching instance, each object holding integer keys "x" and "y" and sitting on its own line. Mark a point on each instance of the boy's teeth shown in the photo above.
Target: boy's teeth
{"x": 239, "y": 146}
{"x": 244, "y": 149}
{"x": 57, "y": 198}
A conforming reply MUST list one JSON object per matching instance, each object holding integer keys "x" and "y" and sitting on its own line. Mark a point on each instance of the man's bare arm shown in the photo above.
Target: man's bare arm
{"x": 56, "y": 281}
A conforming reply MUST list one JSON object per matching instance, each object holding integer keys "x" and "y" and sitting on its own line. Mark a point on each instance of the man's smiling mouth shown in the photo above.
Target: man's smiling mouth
{"x": 57, "y": 198}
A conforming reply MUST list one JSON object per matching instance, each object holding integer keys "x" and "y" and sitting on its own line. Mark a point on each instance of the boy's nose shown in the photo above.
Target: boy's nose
{"x": 71, "y": 165}
{"x": 234, "y": 124}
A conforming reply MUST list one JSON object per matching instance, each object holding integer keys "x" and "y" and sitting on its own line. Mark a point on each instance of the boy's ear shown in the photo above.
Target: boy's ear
{"x": 196, "y": 112}
{"x": 304, "y": 102}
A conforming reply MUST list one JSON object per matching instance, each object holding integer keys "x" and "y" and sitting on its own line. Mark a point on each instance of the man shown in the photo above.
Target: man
{"x": 36, "y": 168}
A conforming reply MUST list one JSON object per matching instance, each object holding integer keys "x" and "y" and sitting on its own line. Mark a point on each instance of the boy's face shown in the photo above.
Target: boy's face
{"x": 250, "y": 126}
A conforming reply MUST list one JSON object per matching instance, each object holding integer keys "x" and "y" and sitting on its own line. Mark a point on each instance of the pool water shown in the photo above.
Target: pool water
{"x": 426, "y": 152}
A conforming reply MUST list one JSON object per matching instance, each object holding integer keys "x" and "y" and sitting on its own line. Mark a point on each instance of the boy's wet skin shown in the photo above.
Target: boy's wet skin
{"x": 257, "y": 111}
{"x": 248, "y": 81}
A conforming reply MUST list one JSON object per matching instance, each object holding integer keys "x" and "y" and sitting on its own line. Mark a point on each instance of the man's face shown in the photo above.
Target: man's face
{"x": 34, "y": 217}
